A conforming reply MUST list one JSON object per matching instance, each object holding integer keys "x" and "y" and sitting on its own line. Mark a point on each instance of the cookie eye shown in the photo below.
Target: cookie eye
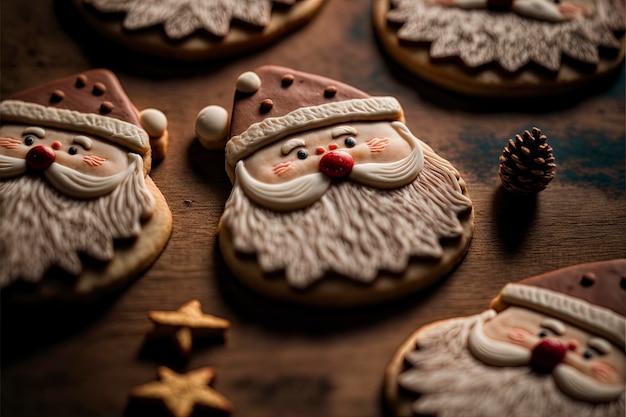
{"x": 588, "y": 354}
{"x": 350, "y": 142}
{"x": 29, "y": 140}
{"x": 302, "y": 154}
{"x": 544, "y": 333}
{"x": 73, "y": 150}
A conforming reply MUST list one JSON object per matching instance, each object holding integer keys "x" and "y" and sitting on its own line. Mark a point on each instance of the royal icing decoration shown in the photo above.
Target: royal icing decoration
{"x": 551, "y": 342}
{"x": 328, "y": 180}
{"x": 73, "y": 160}
{"x": 479, "y": 36}
{"x": 181, "y": 18}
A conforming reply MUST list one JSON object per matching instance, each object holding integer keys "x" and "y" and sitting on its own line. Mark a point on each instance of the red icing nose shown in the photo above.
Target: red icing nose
{"x": 336, "y": 164}
{"x": 547, "y": 354}
{"x": 40, "y": 157}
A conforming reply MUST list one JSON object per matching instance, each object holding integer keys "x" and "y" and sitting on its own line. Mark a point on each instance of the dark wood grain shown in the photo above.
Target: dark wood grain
{"x": 282, "y": 360}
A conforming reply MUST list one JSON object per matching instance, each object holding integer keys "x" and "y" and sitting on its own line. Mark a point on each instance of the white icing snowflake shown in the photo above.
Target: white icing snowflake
{"x": 181, "y": 18}
{"x": 479, "y": 37}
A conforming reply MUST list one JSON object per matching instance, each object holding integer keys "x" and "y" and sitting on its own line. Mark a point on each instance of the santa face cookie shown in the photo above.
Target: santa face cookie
{"x": 80, "y": 215}
{"x": 551, "y": 344}
{"x": 335, "y": 202}
{"x": 196, "y": 30}
{"x": 503, "y": 48}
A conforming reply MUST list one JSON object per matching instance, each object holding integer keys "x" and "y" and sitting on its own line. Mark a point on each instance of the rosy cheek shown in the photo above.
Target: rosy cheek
{"x": 93, "y": 160}
{"x": 517, "y": 334}
{"x": 377, "y": 145}
{"x": 282, "y": 168}
{"x": 9, "y": 143}
{"x": 604, "y": 373}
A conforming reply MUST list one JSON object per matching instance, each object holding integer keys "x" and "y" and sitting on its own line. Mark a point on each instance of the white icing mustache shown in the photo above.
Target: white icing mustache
{"x": 303, "y": 191}
{"x": 582, "y": 387}
{"x": 495, "y": 352}
{"x": 572, "y": 382}
{"x": 69, "y": 181}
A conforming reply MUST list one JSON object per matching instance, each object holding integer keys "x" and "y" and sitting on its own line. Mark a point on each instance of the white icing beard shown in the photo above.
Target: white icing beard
{"x": 305, "y": 190}
{"x": 70, "y": 182}
{"x": 572, "y": 382}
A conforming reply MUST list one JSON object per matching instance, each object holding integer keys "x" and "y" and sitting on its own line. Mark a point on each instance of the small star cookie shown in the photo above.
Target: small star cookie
{"x": 185, "y": 324}
{"x": 182, "y": 393}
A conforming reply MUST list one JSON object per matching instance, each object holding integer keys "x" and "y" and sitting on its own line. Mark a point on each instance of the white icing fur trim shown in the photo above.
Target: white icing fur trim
{"x": 123, "y": 133}
{"x": 596, "y": 319}
{"x": 306, "y": 118}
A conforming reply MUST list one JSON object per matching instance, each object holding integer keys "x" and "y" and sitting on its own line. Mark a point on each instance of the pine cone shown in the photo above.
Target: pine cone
{"x": 527, "y": 164}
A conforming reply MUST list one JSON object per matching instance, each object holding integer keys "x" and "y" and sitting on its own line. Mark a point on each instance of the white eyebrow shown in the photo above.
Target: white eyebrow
{"x": 35, "y": 131}
{"x": 554, "y": 325}
{"x": 83, "y": 141}
{"x": 343, "y": 130}
{"x": 291, "y": 144}
{"x": 601, "y": 345}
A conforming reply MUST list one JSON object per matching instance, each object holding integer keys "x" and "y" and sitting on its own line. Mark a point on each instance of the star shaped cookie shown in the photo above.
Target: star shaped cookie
{"x": 185, "y": 324}
{"x": 183, "y": 393}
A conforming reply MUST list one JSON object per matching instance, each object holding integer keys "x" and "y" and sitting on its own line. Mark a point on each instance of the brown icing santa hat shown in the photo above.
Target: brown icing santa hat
{"x": 92, "y": 102}
{"x": 592, "y": 296}
{"x": 272, "y": 102}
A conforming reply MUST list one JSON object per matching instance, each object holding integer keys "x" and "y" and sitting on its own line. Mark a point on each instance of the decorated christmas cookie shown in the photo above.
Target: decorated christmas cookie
{"x": 80, "y": 215}
{"x": 550, "y": 345}
{"x": 503, "y": 48}
{"x": 196, "y": 30}
{"x": 335, "y": 202}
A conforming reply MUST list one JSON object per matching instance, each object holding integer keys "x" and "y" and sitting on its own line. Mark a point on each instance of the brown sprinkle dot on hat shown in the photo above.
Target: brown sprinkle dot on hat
{"x": 81, "y": 81}
{"x": 330, "y": 91}
{"x": 106, "y": 107}
{"x": 266, "y": 105}
{"x": 57, "y": 96}
{"x": 98, "y": 89}
{"x": 287, "y": 80}
{"x": 588, "y": 279}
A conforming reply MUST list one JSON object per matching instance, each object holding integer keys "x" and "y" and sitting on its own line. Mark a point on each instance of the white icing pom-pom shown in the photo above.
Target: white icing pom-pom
{"x": 212, "y": 125}
{"x": 248, "y": 82}
{"x": 154, "y": 122}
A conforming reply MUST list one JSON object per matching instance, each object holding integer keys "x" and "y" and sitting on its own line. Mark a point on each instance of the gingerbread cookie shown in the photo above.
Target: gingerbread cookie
{"x": 335, "y": 202}
{"x": 186, "y": 324}
{"x": 196, "y": 30}
{"x": 182, "y": 395}
{"x": 550, "y": 345}
{"x": 80, "y": 215}
{"x": 496, "y": 48}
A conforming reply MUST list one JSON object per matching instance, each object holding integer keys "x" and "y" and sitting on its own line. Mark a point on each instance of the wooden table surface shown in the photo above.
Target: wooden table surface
{"x": 281, "y": 360}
